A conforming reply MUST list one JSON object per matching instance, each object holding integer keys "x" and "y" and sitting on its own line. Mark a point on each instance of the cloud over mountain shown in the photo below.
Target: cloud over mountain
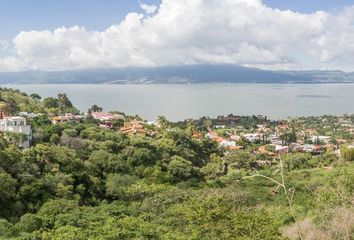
{"x": 244, "y": 32}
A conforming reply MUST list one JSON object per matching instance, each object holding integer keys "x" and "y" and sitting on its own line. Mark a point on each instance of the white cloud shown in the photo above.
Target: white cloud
{"x": 148, "y": 9}
{"x": 243, "y": 32}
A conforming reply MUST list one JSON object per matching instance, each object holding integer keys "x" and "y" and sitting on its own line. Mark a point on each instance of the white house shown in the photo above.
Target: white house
{"x": 226, "y": 143}
{"x": 306, "y": 148}
{"x": 17, "y": 125}
{"x": 324, "y": 139}
{"x": 29, "y": 115}
{"x": 252, "y": 137}
{"x": 281, "y": 149}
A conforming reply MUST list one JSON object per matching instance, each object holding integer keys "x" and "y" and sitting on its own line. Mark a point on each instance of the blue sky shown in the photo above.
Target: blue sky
{"x": 26, "y": 15}
{"x": 308, "y": 6}
{"x": 39, "y": 34}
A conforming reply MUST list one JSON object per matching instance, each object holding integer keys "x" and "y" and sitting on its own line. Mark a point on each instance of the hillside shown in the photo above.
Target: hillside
{"x": 176, "y": 75}
{"x": 174, "y": 180}
{"x": 14, "y": 101}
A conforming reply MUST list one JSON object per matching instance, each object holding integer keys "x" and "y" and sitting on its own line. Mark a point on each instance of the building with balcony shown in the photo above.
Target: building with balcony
{"x": 17, "y": 125}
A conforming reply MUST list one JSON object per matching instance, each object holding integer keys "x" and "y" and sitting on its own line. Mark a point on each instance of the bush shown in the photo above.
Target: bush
{"x": 30, "y": 223}
{"x": 7, "y": 230}
{"x": 117, "y": 185}
{"x": 70, "y": 132}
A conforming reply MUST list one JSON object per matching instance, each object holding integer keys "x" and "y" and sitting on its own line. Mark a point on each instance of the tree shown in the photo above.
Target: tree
{"x": 52, "y": 208}
{"x": 297, "y": 161}
{"x": 163, "y": 122}
{"x": 35, "y": 96}
{"x": 117, "y": 123}
{"x": 104, "y": 162}
{"x": 239, "y": 159}
{"x": 64, "y": 103}
{"x": 55, "y": 139}
{"x": 30, "y": 223}
{"x": 4, "y": 107}
{"x": 95, "y": 108}
{"x": 70, "y": 132}
{"x": 7, "y": 230}
{"x": 117, "y": 185}
{"x": 50, "y": 102}
{"x": 16, "y": 138}
{"x": 7, "y": 193}
{"x": 213, "y": 167}
{"x": 207, "y": 123}
{"x": 180, "y": 168}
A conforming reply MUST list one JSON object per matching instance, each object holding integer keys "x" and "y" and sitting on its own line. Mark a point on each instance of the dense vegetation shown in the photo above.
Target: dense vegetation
{"x": 81, "y": 181}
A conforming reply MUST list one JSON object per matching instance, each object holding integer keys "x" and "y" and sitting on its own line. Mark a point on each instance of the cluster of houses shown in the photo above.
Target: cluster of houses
{"x": 273, "y": 143}
{"x": 229, "y": 144}
{"x": 18, "y": 124}
{"x": 105, "y": 120}
{"x": 273, "y": 139}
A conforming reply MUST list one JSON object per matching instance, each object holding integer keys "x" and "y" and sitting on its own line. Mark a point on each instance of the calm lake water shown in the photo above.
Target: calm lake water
{"x": 178, "y": 102}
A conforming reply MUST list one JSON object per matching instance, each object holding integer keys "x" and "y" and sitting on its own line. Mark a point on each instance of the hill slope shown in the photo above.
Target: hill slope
{"x": 176, "y": 74}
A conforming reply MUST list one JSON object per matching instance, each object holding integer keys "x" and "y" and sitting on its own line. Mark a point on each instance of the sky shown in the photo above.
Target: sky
{"x": 269, "y": 34}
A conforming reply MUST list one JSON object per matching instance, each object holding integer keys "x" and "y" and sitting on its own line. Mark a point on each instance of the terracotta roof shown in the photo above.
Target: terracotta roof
{"x": 263, "y": 150}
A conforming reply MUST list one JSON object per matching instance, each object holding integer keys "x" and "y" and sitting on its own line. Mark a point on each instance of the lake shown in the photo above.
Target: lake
{"x": 178, "y": 102}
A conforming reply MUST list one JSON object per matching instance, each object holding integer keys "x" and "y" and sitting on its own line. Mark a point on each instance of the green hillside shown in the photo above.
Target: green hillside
{"x": 82, "y": 181}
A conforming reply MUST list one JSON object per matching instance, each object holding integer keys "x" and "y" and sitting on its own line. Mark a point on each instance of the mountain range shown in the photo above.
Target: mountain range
{"x": 187, "y": 74}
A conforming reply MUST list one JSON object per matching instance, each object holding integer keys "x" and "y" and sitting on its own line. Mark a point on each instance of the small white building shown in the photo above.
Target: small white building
{"x": 101, "y": 116}
{"x": 252, "y": 137}
{"x": 306, "y": 148}
{"x": 226, "y": 143}
{"x": 281, "y": 149}
{"x": 17, "y": 125}
{"x": 29, "y": 115}
{"x": 324, "y": 139}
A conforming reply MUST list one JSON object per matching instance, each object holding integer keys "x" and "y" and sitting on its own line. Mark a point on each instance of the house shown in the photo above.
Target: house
{"x": 235, "y": 138}
{"x": 281, "y": 149}
{"x": 278, "y": 149}
{"x": 274, "y": 139}
{"x": 219, "y": 139}
{"x": 252, "y": 137}
{"x": 263, "y": 150}
{"x": 324, "y": 139}
{"x": 310, "y": 148}
{"x": 106, "y": 119}
{"x": 29, "y": 115}
{"x": 234, "y": 148}
{"x": 227, "y": 144}
{"x": 212, "y": 135}
{"x": 17, "y": 124}
{"x": 69, "y": 117}
{"x": 102, "y": 116}
{"x": 134, "y": 127}
{"x": 197, "y": 135}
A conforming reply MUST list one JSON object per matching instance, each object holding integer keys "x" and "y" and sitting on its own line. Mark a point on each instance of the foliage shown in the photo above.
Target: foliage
{"x": 81, "y": 181}
{"x": 347, "y": 154}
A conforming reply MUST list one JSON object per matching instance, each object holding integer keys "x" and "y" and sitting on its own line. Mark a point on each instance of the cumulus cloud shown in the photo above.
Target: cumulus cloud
{"x": 245, "y": 32}
{"x": 149, "y": 9}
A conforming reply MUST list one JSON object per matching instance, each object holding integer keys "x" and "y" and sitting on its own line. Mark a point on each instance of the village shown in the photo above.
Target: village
{"x": 314, "y": 135}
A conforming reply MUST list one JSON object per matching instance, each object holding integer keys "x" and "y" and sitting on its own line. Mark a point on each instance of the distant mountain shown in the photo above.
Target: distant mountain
{"x": 175, "y": 75}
